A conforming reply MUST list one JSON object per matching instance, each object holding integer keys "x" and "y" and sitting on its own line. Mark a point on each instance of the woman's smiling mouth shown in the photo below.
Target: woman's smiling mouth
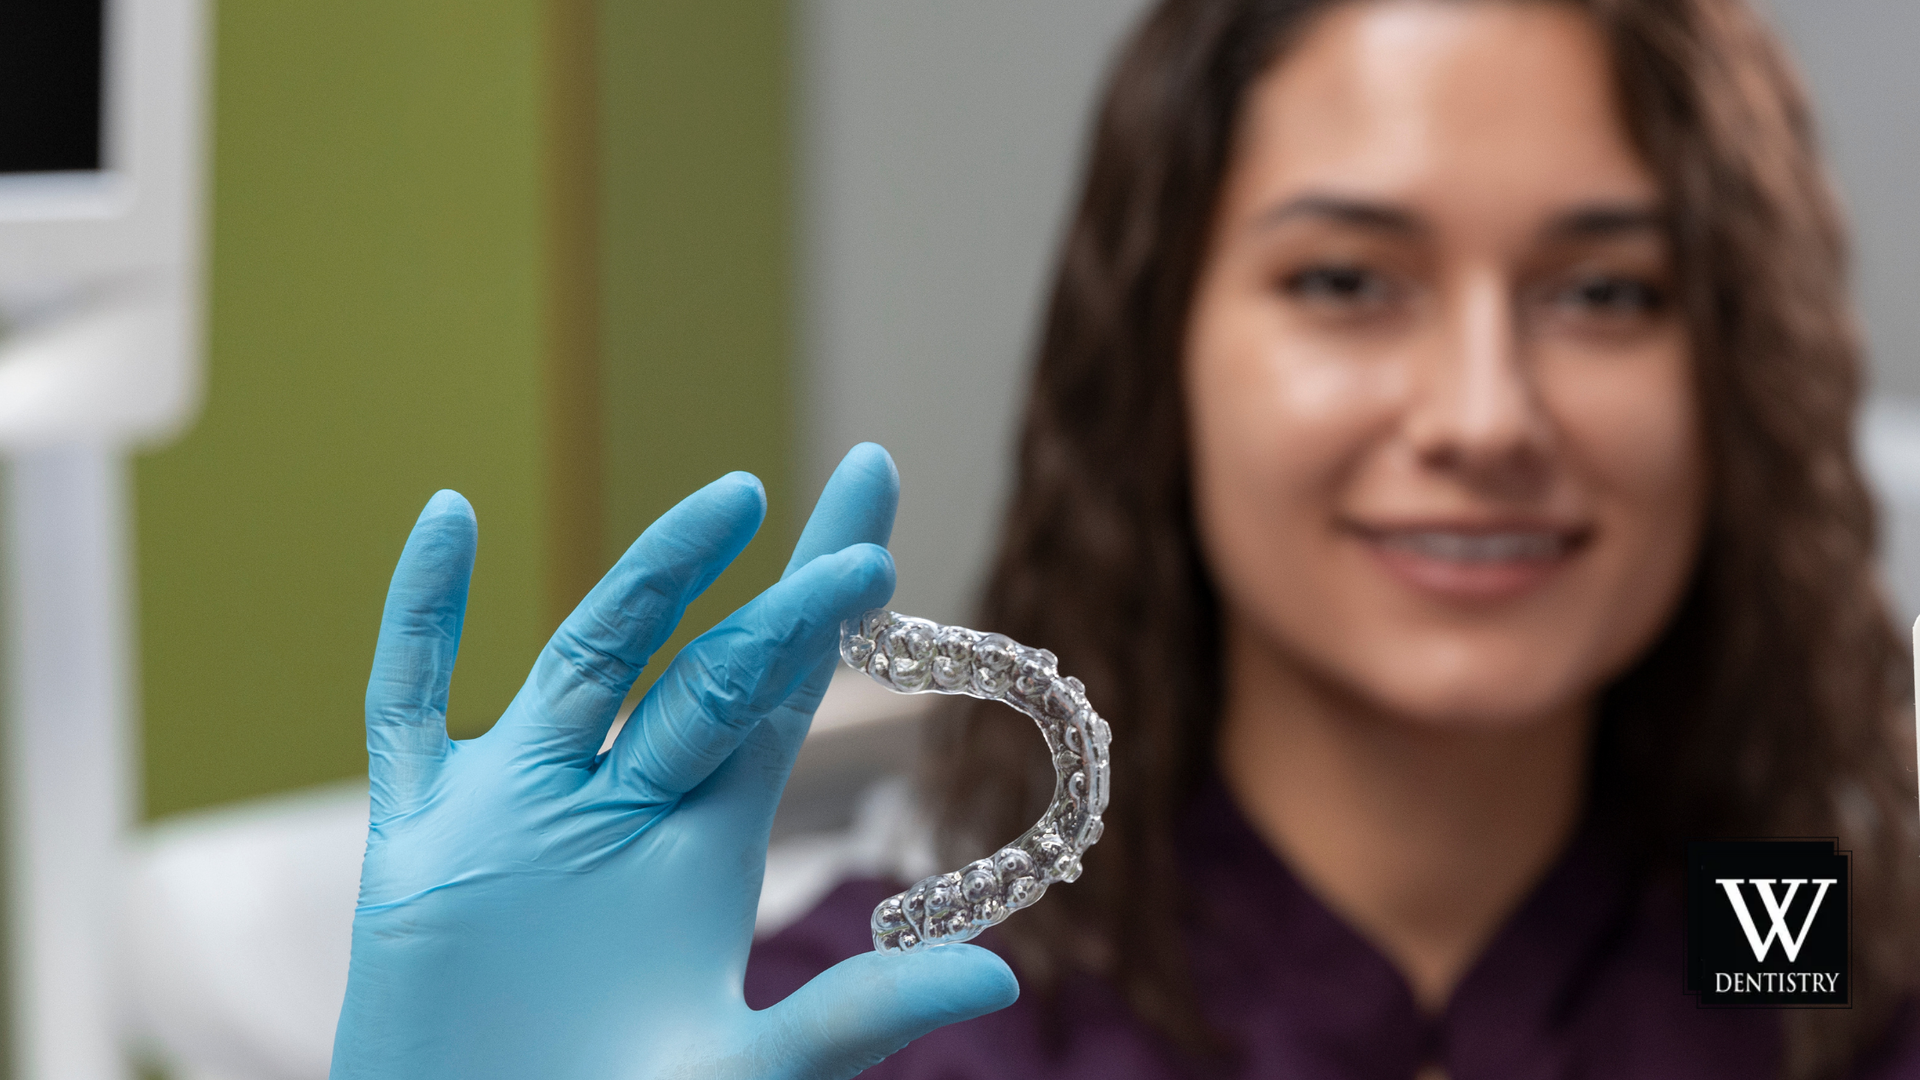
{"x": 1477, "y": 562}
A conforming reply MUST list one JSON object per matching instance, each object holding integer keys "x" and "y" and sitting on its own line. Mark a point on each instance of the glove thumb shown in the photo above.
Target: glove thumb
{"x": 864, "y": 1008}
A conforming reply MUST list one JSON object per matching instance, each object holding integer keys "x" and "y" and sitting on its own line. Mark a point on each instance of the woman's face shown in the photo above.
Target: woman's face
{"x": 1447, "y": 453}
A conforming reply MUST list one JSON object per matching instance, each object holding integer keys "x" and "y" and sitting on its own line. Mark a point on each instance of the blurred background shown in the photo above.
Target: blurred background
{"x": 574, "y": 259}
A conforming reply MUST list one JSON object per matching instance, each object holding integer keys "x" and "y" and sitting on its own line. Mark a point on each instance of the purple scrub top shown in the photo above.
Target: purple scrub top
{"x": 1584, "y": 981}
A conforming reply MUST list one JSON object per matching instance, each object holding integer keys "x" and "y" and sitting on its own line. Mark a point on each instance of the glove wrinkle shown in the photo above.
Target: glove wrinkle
{"x": 602, "y": 665}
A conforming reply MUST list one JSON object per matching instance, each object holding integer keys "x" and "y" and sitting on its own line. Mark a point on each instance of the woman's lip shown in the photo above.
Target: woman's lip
{"x": 1474, "y": 563}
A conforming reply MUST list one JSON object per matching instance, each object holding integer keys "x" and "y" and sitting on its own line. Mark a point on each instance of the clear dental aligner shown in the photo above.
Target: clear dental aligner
{"x": 915, "y": 656}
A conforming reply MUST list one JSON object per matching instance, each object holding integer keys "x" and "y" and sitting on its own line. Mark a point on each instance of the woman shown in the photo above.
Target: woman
{"x": 1438, "y": 471}
{"x": 1438, "y": 458}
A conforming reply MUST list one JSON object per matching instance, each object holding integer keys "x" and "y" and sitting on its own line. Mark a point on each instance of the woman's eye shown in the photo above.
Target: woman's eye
{"x": 1342, "y": 285}
{"x": 1613, "y": 296}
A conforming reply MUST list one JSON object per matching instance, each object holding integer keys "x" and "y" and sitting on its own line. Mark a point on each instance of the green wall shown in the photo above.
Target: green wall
{"x": 697, "y": 324}
{"x": 418, "y": 208}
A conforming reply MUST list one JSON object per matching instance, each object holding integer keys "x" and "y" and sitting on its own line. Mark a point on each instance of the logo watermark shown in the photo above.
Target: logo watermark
{"x": 1768, "y": 924}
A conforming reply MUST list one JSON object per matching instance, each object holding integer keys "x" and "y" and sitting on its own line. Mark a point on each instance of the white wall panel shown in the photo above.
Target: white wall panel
{"x": 940, "y": 141}
{"x": 1858, "y": 59}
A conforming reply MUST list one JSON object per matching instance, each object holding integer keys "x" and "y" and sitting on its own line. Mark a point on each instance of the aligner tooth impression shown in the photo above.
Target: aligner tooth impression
{"x": 916, "y": 656}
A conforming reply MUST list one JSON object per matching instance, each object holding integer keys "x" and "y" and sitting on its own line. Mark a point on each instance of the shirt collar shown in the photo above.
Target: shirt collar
{"x": 1261, "y": 936}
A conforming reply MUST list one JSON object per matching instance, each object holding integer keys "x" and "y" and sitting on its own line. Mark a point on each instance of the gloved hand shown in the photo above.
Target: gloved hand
{"x": 529, "y": 908}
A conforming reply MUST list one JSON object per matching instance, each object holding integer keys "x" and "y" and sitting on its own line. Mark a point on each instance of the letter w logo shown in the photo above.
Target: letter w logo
{"x": 1776, "y": 912}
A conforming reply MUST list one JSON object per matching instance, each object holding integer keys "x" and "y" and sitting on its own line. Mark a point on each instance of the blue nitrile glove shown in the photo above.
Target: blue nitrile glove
{"x": 529, "y": 909}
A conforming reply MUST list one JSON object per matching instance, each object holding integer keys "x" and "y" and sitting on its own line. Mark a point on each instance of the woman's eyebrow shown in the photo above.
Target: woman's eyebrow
{"x": 1366, "y": 214}
{"x": 1603, "y": 220}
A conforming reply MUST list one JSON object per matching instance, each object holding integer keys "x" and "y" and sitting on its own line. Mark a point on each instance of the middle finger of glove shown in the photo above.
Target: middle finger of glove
{"x": 731, "y": 677}
{"x": 576, "y": 686}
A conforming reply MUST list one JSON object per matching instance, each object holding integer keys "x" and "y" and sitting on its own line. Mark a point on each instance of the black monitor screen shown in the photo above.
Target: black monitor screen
{"x": 50, "y": 85}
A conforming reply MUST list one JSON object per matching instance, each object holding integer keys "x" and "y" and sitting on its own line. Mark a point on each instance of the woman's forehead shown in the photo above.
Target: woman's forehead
{"x": 1497, "y": 108}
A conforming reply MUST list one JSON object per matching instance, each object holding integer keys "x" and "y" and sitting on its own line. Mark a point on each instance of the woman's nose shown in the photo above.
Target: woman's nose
{"x": 1478, "y": 413}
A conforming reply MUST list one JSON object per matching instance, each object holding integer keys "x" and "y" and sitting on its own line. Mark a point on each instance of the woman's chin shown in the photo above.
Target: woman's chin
{"x": 1503, "y": 694}
{"x": 1471, "y": 710}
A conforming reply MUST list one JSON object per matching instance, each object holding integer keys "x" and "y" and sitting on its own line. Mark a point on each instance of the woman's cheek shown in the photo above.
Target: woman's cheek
{"x": 1631, "y": 424}
{"x": 1281, "y": 432}
{"x": 1277, "y": 427}
{"x": 1632, "y": 430}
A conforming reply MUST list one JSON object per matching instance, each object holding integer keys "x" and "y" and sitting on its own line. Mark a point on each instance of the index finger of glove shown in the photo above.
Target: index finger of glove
{"x": 856, "y": 506}
{"x": 576, "y": 686}
{"x": 730, "y": 678}
{"x": 413, "y": 659}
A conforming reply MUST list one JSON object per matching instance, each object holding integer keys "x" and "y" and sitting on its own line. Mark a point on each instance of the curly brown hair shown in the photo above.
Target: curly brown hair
{"x": 1773, "y": 704}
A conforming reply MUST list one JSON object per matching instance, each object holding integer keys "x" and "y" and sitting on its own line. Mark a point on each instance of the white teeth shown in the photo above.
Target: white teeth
{"x": 1479, "y": 547}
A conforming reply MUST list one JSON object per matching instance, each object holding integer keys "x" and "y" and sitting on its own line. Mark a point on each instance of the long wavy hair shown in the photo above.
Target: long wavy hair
{"x": 1773, "y": 704}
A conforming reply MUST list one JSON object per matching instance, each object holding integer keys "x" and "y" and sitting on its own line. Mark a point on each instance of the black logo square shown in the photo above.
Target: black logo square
{"x": 1769, "y": 923}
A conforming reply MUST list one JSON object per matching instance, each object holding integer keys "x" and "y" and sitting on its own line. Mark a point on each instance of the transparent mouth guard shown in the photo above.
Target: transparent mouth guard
{"x": 915, "y": 656}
